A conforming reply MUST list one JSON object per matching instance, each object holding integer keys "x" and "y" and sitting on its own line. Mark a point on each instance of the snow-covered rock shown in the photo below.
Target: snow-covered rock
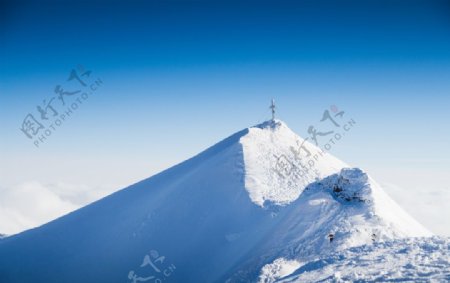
{"x": 259, "y": 204}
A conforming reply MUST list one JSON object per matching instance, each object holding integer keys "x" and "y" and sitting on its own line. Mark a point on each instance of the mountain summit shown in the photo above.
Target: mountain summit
{"x": 256, "y": 206}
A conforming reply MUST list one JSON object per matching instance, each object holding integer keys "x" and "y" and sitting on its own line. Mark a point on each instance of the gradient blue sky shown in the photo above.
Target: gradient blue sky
{"x": 181, "y": 75}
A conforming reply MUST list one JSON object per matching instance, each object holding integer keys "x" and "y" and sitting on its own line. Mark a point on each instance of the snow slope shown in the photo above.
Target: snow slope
{"x": 225, "y": 215}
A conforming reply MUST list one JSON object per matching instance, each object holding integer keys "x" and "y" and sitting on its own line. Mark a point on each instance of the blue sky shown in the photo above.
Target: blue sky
{"x": 179, "y": 76}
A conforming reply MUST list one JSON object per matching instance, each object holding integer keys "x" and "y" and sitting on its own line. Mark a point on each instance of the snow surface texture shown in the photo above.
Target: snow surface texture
{"x": 404, "y": 260}
{"x": 249, "y": 208}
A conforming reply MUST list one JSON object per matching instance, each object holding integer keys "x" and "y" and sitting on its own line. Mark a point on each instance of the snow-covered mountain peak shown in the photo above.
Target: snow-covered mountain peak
{"x": 279, "y": 164}
{"x": 262, "y": 195}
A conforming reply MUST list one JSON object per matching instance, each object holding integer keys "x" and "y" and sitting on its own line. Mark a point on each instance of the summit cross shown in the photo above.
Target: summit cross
{"x": 272, "y": 106}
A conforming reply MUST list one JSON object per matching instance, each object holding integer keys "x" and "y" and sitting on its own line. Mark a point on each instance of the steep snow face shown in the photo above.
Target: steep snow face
{"x": 197, "y": 215}
{"x": 279, "y": 164}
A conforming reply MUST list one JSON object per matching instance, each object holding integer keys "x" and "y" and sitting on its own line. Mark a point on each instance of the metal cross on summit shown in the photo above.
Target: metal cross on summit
{"x": 272, "y": 106}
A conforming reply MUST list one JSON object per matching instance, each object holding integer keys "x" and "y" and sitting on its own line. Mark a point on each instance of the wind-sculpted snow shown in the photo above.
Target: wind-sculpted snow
{"x": 401, "y": 260}
{"x": 251, "y": 203}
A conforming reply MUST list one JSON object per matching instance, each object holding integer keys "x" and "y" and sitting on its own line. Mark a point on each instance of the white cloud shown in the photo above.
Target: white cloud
{"x": 32, "y": 204}
{"x": 429, "y": 206}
